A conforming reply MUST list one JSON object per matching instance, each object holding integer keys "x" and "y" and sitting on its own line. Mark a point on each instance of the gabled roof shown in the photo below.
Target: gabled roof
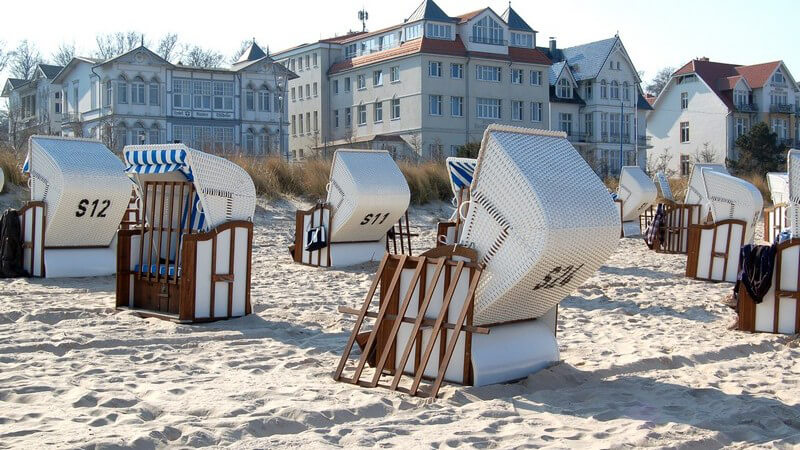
{"x": 429, "y": 10}
{"x": 141, "y": 47}
{"x": 515, "y": 22}
{"x": 75, "y": 60}
{"x": 555, "y": 71}
{"x": 757, "y": 75}
{"x": 466, "y": 17}
{"x": 252, "y": 53}
{"x": 645, "y": 104}
{"x": 11, "y": 84}
{"x": 587, "y": 59}
{"x": 50, "y": 71}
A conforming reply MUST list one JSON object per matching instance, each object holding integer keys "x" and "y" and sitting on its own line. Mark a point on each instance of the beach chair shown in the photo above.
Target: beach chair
{"x": 460, "y": 171}
{"x": 714, "y": 247}
{"x": 779, "y": 310}
{"x": 637, "y": 193}
{"x": 484, "y": 311}
{"x": 367, "y": 196}
{"x": 2, "y": 179}
{"x": 79, "y": 194}
{"x": 189, "y": 258}
{"x": 776, "y": 217}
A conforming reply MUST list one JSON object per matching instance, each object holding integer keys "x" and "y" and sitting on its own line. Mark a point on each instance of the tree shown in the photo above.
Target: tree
{"x": 168, "y": 47}
{"x": 660, "y": 163}
{"x": 114, "y": 44}
{"x": 707, "y": 155}
{"x": 242, "y": 48}
{"x": 24, "y": 60}
{"x": 197, "y": 56}
{"x": 759, "y": 151}
{"x": 63, "y": 54}
{"x": 468, "y": 150}
{"x": 4, "y": 56}
{"x": 657, "y": 84}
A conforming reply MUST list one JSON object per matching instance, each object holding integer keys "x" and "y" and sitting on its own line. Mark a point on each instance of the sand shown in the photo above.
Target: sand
{"x": 647, "y": 360}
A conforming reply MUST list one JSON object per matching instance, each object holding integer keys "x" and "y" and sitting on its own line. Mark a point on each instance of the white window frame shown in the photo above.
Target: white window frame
{"x": 457, "y": 106}
{"x": 435, "y": 69}
{"x": 435, "y": 105}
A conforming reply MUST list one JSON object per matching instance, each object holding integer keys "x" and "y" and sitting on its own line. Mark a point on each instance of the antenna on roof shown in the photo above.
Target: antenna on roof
{"x": 142, "y": 39}
{"x": 363, "y": 16}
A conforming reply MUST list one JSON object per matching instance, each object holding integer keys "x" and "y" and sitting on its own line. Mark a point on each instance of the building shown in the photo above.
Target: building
{"x": 421, "y": 88}
{"x": 34, "y": 105}
{"x": 140, "y": 98}
{"x": 596, "y": 98}
{"x": 707, "y": 105}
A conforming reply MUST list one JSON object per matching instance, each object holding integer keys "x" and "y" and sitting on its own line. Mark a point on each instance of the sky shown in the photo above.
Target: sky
{"x": 655, "y": 34}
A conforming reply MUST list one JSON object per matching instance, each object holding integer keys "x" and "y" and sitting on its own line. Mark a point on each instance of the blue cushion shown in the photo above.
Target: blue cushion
{"x": 161, "y": 268}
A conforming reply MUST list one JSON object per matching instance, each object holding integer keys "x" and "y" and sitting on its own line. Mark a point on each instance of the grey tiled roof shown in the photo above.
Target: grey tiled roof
{"x": 428, "y": 10}
{"x": 555, "y": 71}
{"x": 586, "y": 60}
{"x": 252, "y": 53}
{"x": 515, "y": 22}
{"x": 50, "y": 71}
{"x": 16, "y": 82}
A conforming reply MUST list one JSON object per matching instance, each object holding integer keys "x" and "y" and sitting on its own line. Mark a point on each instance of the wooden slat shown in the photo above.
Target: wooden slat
{"x": 231, "y": 245}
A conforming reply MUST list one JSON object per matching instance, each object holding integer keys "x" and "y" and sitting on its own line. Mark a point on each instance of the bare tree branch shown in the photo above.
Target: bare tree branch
{"x": 168, "y": 47}
{"x": 24, "y": 60}
{"x": 4, "y": 56}
{"x": 659, "y": 81}
{"x": 114, "y": 44}
{"x": 64, "y": 54}
{"x": 197, "y": 56}
{"x": 242, "y": 48}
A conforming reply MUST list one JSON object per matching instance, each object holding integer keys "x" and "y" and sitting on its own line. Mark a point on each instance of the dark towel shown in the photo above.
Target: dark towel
{"x": 655, "y": 228}
{"x": 756, "y": 264}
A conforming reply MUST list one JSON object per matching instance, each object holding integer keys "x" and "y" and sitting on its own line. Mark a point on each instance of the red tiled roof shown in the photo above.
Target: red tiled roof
{"x": 441, "y": 47}
{"x": 343, "y": 38}
{"x": 651, "y": 99}
{"x": 728, "y": 83}
{"x": 467, "y": 16}
{"x": 757, "y": 75}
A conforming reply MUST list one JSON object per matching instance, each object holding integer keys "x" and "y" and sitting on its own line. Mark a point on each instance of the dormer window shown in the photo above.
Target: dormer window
{"x": 564, "y": 89}
{"x": 487, "y": 31}
{"x": 349, "y": 52}
{"x": 778, "y": 77}
{"x": 523, "y": 40}
{"x": 438, "y": 31}
{"x": 413, "y": 31}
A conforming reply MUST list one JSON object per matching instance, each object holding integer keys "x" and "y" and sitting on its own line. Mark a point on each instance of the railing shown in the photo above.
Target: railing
{"x": 578, "y": 137}
{"x": 487, "y": 40}
{"x": 70, "y": 117}
{"x": 746, "y": 107}
{"x": 787, "y": 109}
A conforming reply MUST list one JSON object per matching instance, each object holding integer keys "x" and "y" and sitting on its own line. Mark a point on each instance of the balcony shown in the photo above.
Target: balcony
{"x": 487, "y": 40}
{"x": 578, "y": 137}
{"x": 781, "y": 109}
{"x": 746, "y": 107}
{"x": 71, "y": 117}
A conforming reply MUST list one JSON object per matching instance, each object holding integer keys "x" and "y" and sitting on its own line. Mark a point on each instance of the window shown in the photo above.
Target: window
{"x": 413, "y": 31}
{"x": 294, "y": 126}
{"x": 250, "y": 142}
{"x": 308, "y": 122}
{"x": 685, "y": 165}
{"x": 434, "y": 69}
{"x": 93, "y": 92}
{"x": 377, "y": 112}
{"x": 516, "y": 76}
{"x": 362, "y": 114}
{"x": 314, "y": 59}
{"x": 740, "y": 97}
{"x": 565, "y": 123}
{"x": 615, "y": 124}
{"x": 588, "y": 90}
{"x": 778, "y": 77}
{"x": 314, "y": 88}
{"x": 294, "y": 97}
{"x": 488, "y": 73}
{"x": 75, "y": 98}
{"x": 377, "y": 78}
{"x": 394, "y": 74}
{"x": 536, "y": 77}
{"x": 741, "y": 126}
{"x": 300, "y": 124}
{"x": 521, "y": 40}
{"x": 335, "y": 87}
{"x": 347, "y": 84}
{"x": 308, "y": 91}
{"x": 487, "y": 31}
{"x": 223, "y": 96}
{"x": 456, "y": 70}
{"x": 603, "y": 89}
{"x": 182, "y": 133}
{"x": 457, "y": 106}
{"x": 155, "y": 93}
{"x": 536, "y": 111}
{"x": 137, "y": 91}
{"x": 57, "y": 103}
{"x": 438, "y": 31}
{"x": 154, "y": 136}
{"x": 109, "y": 93}
{"x": 250, "y": 100}
{"x": 202, "y": 94}
{"x": 435, "y": 105}
{"x": 589, "y": 124}
{"x": 604, "y": 126}
{"x": 626, "y": 95}
{"x": 395, "y": 108}
{"x": 316, "y": 121}
{"x": 684, "y": 100}
{"x": 779, "y": 127}
{"x": 517, "y": 110}
{"x": 335, "y": 118}
{"x": 263, "y": 101}
{"x": 308, "y": 62}
{"x": 614, "y": 89}
{"x": 684, "y": 132}
{"x": 564, "y": 88}
{"x": 122, "y": 92}
{"x": 348, "y": 121}
{"x": 361, "y": 81}
{"x": 488, "y": 108}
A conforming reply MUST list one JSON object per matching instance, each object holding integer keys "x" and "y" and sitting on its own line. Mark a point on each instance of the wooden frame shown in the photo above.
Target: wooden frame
{"x": 155, "y": 284}
{"x": 673, "y": 237}
{"x": 33, "y": 241}
{"x": 775, "y": 220}
{"x": 646, "y": 218}
{"x": 747, "y": 307}
{"x": 731, "y": 245}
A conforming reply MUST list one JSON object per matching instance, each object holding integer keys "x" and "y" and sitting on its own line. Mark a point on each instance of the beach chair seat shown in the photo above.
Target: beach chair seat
{"x": 189, "y": 257}
{"x": 79, "y": 195}
{"x": 484, "y": 310}
{"x": 713, "y": 247}
{"x": 637, "y": 193}
{"x": 367, "y": 196}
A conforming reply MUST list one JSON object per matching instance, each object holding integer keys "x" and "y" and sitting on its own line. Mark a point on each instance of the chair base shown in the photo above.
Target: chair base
{"x": 713, "y": 250}
{"x": 631, "y": 228}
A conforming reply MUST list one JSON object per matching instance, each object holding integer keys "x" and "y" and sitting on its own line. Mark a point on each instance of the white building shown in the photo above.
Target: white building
{"x": 140, "y": 98}
{"x": 596, "y": 97}
{"x": 420, "y": 88}
{"x": 707, "y": 105}
{"x": 34, "y": 105}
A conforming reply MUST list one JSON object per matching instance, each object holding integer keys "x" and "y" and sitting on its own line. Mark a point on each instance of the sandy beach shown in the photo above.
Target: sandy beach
{"x": 647, "y": 360}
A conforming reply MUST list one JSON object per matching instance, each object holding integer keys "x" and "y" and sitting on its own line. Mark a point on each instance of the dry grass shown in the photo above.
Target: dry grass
{"x": 274, "y": 177}
{"x": 759, "y": 181}
{"x": 11, "y": 163}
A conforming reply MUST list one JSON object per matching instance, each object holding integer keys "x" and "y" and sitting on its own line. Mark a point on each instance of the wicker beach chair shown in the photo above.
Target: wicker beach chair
{"x": 637, "y": 193}
{"x": 533, "y": 233}
{"x": 79, "y": 194}
{"x": 189, "y": 258}
{"x": 367, "y": 196}
{"x": 735, "y": 206}
{"x": 662, "y": 183}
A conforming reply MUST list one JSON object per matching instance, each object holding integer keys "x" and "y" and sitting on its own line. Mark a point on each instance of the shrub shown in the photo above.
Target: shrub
{"x": 11, "y": 163}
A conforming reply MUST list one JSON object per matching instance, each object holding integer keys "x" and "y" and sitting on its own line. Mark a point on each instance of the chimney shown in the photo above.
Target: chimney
{"x": 552, "y": 45}
{"x": 703, "y": 58}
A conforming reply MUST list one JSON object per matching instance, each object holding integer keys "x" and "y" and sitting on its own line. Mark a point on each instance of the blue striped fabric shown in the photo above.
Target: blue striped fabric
{"x": 160, "y": 268}
{"x": 461, "y": 173}
{"x": 26, "y": 168}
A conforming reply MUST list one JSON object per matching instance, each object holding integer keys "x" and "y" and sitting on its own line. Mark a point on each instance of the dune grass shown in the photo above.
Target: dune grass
{"x": 11, "y": 163}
